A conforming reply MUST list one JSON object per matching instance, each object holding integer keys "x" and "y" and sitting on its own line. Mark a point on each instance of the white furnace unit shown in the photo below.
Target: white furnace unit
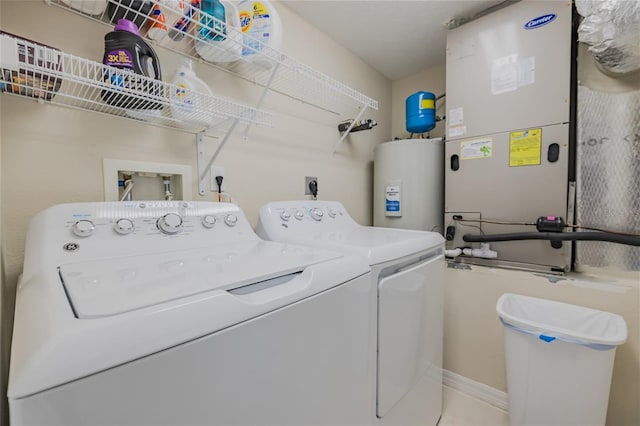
{"x": 508, "y": 147}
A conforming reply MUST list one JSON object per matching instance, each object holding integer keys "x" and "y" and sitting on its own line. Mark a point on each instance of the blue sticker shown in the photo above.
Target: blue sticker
{"x": 547, "y": 338}
{"x": 393, "y": 206}
{"x": 539, "y": 21}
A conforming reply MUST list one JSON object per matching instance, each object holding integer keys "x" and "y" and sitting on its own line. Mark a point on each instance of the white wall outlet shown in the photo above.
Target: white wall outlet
{"x": 214, "y": 171}
{"x": 148, "y": 179}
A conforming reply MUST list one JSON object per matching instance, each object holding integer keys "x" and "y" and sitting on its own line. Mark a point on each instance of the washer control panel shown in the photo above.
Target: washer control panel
{"x": 138, "y": 226}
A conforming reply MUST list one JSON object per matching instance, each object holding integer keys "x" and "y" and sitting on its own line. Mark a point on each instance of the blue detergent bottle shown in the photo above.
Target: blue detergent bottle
{"x": 212, "y": 29}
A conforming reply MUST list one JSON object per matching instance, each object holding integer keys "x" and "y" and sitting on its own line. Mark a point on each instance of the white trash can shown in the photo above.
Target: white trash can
{"x": 559, "y": 360}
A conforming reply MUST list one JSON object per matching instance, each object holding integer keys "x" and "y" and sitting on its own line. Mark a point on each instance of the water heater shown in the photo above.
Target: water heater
{"x": 408, "y": 184}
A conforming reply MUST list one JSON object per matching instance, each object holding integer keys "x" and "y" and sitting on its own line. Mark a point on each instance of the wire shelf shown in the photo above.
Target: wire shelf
{"x": 33, "y": 70}
{"x": 196, "y": 34}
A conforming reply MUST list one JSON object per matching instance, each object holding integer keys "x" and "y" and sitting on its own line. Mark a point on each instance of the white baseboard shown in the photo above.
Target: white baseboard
{"x": 478, "y": 390}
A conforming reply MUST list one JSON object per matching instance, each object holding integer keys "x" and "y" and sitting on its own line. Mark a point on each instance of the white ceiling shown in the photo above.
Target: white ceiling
{"x": 396, "y": 37}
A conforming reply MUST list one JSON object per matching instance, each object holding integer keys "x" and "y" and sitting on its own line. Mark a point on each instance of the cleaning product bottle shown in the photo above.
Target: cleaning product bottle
{"x": 262, "y": 27}
{"x": 158, "y": 24}
{"x": 220, "y": 49}
{"x": 212, "y": 21}
{"x": 181, "y": 26}
{"x": 190, "y": 105}
{"x": 127, "y": 50}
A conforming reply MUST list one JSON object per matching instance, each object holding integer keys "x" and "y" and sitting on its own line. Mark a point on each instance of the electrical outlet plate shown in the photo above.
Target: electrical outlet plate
{"x": 111, "y": 168}
{"x": 214, "y": 171}
{"x": 308, "y": 179}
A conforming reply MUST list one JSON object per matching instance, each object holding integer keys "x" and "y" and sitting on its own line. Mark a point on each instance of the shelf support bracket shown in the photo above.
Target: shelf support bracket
{"x": 202, "y": 186}
{"x": 346, "y": 132}
{"x": 204, "y": 169}
{"x": 245, "y": 136}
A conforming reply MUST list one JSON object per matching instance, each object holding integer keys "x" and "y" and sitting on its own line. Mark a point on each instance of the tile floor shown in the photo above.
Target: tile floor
{"x": 460, "y": 409}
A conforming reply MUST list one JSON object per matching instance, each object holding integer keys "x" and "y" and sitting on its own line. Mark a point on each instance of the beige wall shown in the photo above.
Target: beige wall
{"x": 52, "y": 154}
{"x": 4, "y": 310}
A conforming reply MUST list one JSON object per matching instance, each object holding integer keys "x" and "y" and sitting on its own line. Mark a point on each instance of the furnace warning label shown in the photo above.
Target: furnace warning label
{"x": 525, "y": 147}
{"x": 476, "y": 148}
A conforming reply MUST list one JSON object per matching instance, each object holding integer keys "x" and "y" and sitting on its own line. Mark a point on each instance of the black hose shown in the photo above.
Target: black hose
{"x": 555, "y": 236}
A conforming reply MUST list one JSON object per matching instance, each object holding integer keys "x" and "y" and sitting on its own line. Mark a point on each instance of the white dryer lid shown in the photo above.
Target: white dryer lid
{"x": 376, "y": 245}
{"x": 327, "y": 224}
{"x": 109, "y": 287}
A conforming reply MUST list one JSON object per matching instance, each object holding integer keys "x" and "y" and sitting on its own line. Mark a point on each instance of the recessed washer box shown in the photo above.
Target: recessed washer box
{"x": 148, "y": 178}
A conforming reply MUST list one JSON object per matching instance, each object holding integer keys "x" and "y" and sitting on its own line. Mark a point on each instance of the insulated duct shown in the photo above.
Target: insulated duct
{"x": 611, "y": 28}
{"x": 608, "y": 176}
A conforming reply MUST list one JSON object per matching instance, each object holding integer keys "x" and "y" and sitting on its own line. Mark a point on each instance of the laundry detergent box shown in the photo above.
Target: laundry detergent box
{"x": 24, "y": 66}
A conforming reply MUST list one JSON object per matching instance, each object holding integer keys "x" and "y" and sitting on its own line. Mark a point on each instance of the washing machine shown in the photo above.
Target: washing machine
{"x": 408, "y": 273}
{"x": 176, "y": 313}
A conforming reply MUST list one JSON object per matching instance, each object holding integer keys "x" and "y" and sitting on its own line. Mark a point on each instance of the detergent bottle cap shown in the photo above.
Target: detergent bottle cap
{"x": 127, "y": 25}
{"x": 186, "y": 68}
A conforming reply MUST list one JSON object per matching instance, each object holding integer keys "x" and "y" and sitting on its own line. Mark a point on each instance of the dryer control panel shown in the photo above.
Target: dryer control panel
{"x": 325, "y": 215}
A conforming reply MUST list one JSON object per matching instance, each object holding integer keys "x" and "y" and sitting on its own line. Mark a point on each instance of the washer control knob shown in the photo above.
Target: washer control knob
{"x": 231, "y": 220}
{"x": 170, "y": 223}
{"x": 83, "y": 228}
{"x": 285, "y": 215}
{"x": 332, "y": 212}
{"x": 208, "y": 221}
{"x": 124, "y": 226}
{"x": 299, "y": 214}
{"x": 316, "y": 214}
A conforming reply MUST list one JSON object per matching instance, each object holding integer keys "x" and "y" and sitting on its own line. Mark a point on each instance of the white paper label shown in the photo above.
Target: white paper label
{"x": 476, "y": 148}
{"x": 457, "y": 131}
{"x": 508, "y": 73}
{"x": 455, "y": 116}
{"x": 392, "y": 200}
{"x": 504, "y": 74}
{"x": 527, "y": 71}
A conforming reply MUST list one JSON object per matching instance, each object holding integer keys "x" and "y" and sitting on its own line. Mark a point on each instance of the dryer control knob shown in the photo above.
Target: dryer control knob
{"x": 332, "y": 212}
{"x": 124, "y": 226}
{"x": 299, "y": 214}
{"x": 170, "y": 223}
{"x": 83, "y": 228}
{"x": 285, "y": 215}
{"x": 231, "y": 220}
{"x": 208, "y": 221}
{"x": 316, "y": 214}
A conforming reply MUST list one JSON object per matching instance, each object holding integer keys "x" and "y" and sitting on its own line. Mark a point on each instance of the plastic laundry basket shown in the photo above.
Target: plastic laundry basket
{"x": 559, "y": 360}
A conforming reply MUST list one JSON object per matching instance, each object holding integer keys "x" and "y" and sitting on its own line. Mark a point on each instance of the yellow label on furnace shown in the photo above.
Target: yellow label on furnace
{"x": 525, "y": 147}
{"x": 427, "y": 103}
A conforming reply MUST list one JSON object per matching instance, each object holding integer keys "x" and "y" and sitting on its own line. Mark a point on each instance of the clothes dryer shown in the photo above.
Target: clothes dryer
{"x": 408, "y": 272}
{"x": 176, "y": 313}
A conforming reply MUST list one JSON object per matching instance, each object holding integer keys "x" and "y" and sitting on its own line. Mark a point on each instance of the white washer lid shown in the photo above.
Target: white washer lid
{"x": 109, "y": 287}
{"x": 55, "y": 347}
